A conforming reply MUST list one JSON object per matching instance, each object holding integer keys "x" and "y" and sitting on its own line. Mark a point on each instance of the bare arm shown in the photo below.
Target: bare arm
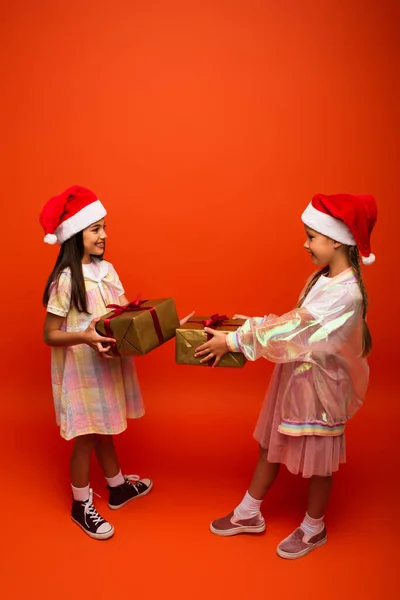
{"x": 53, "y": 336}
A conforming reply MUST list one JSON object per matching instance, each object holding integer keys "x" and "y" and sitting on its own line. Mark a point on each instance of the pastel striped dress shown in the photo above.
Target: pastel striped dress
{"x": 91, "y": 395}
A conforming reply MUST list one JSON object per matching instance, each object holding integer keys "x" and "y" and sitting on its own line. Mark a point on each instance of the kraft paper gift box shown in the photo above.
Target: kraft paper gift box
{"x": 191, "y": 335}
{"x": 140, "y": 326}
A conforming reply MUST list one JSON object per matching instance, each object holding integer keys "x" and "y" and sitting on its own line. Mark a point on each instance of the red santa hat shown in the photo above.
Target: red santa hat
{"x": 70, "y": 212}
{"x": 346, "y": 218}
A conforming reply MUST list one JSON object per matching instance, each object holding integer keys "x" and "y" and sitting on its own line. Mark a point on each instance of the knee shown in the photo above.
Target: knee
{"x": 105, "y": 440}
{"x": 87, "y": 441}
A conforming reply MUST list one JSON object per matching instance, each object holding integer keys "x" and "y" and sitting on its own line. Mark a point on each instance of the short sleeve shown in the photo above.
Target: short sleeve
{"x": 60, "y": 295}
{"x": 115, "y": 281}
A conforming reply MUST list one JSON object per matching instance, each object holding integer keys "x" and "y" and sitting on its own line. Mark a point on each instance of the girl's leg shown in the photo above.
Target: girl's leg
{"x": 107, "y": 456}
{"x": 264, "y": 476}
{"x": 80, "y": 460}
{"x": 122, "y": 490}
{"x": 84, "y": 513}
{"x": 319, "y": 492}
{"x": 247, "y": 518}
{"x": 312, "y": 532}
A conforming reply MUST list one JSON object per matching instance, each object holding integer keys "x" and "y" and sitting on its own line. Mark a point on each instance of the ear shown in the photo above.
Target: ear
{"x": 337, "y": 244}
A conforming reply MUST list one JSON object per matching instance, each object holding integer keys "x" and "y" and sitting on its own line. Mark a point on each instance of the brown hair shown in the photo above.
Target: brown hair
{"x": 71, "y": 253}
{"x": 310, "y": 284}
{"x": 354, "y": 259}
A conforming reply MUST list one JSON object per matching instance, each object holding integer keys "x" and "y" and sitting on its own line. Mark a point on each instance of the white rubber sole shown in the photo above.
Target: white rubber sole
{"x": 291, "y": 556}
{"x": 130, "y": 499}
{"x": 96, "y": 536}
{"x": 237, "y": 530}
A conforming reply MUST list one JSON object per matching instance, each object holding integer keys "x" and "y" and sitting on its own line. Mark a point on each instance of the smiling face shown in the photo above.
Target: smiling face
{"x": 94, "y": 240}
{"x": 321, "y": 247}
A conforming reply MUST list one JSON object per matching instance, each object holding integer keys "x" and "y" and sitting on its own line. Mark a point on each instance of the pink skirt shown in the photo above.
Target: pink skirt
{"x": 308, "y": 454}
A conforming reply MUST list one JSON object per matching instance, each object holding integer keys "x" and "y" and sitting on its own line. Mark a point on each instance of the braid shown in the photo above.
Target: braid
{"x": 310, "y": 283}
{"x": 355, "y": 265}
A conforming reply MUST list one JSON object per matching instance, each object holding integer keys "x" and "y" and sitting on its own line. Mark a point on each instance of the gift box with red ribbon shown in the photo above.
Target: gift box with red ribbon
{"x": 191, "y": 335}
{"x": 140, "y": 326}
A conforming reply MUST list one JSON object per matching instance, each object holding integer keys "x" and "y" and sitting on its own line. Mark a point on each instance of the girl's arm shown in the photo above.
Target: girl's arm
{"x": 53, "y": 336}
{"x": 296, "y": 334}
{"x": 290, "y": 337}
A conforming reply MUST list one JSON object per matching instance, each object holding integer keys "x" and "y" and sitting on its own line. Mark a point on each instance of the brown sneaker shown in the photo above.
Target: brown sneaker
{"x": 230, "y": 525}
{"x": 294, "y": 545}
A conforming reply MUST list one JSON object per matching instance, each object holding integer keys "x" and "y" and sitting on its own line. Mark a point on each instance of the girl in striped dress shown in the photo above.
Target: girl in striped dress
{"x": 94, "y": 394}
{"x": 321, "y": 373}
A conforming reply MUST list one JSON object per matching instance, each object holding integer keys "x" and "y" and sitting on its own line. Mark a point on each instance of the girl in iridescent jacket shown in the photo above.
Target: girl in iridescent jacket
{"x": 321, "y": 372}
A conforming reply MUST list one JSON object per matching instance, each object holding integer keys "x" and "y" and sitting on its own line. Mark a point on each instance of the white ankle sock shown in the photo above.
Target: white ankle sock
{"x": 312, "y": 526}
{"x": 116, "y": 480}
{"x": 81, "y": 494}
{"x": 249, "y": 507}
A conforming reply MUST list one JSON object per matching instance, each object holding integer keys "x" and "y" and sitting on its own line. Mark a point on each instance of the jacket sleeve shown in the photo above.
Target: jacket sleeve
{"x": 297, "y": 334}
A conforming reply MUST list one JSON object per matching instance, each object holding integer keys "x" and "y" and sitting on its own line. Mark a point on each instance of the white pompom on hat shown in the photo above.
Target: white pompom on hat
{"x": 65, "y": 215}
{"x": 346, "y": 218}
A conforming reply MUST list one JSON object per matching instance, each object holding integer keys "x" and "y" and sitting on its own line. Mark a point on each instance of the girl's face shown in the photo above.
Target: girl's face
{"x": 94, "y": 239}
{"x": 321, "y": 247}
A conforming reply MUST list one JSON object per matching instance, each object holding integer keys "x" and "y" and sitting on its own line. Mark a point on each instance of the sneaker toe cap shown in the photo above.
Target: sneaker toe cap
{"x": 104, "y": 528}
{"x": 223, "y": 523}
{"x": 147, "y": 482}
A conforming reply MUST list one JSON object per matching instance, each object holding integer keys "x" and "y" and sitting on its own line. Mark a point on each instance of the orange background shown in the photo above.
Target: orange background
{"x": 204, "y": 127}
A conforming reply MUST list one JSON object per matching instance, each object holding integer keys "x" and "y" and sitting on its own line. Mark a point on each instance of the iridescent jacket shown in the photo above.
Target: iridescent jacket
{"x": 322, "y": 375}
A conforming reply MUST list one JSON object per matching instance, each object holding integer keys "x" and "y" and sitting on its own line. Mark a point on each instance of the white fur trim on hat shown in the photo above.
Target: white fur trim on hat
{"x": 368, "y": 260}
{"x": 86, "y": 216}
{"x": 50, "y": 238}
{"x": 330, "y": 226}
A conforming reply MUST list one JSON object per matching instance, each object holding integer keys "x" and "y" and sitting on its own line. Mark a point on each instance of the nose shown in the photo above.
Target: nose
{"x": 306, "y": 245}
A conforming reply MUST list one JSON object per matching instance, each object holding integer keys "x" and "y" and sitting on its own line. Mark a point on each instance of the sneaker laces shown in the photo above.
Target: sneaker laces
{"x": 90, "y": 510}
{"x": 130, "y": 478}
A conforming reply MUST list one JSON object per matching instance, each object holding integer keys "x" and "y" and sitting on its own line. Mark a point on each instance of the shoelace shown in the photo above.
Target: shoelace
{"x": 130, "y": 478}
{"x": 90, "y": 510}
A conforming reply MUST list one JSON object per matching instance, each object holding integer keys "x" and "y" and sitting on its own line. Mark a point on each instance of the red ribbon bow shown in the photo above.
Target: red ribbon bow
{"x": 215, "y": 320}
{"x": 120, "y": 310}
{"x": 134, "y": 306}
